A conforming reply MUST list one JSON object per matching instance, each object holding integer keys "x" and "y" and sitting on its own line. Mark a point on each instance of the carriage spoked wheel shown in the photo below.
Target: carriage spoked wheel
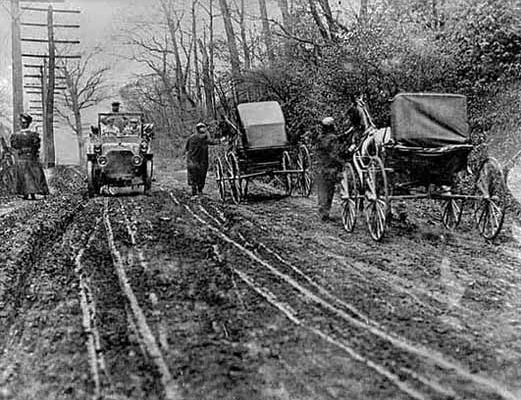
{"x": 451, "y": 214}
{"x": 376, "y": 197}
{"x": 286, "y": 179}
{"x": 350, "y": 200}
{"x": 219, "y": 177}
{"x": 489, "y": 211}
{"x": 234, "y": 178}
{"x": 304, "y": 165}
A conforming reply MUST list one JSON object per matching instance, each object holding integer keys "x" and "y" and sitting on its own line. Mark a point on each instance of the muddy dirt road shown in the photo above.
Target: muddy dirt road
{"x": 164, "y": 297}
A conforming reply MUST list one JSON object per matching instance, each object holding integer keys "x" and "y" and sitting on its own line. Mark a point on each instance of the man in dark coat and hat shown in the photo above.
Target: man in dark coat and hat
{"x": 196, "y": 151}
{"x": 29, "y": 177}
{"x": 329, "y": 165}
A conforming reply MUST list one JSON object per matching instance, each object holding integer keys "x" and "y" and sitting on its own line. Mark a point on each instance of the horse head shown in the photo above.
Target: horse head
{"x": 363, "y": 111}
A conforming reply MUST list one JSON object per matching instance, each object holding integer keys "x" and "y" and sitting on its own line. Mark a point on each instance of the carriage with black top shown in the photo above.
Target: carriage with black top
{"x": 260, "y": 148}
{"x": 424, "y": 157}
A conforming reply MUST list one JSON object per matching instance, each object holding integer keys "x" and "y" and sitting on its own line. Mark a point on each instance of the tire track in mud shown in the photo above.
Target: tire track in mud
{"x": 89, "y": 314}
{"x": 392, "y": 277}
{"x": 148, "y": 340}
{"x": 487, "y": 386}
{"x": 290, "y": 313}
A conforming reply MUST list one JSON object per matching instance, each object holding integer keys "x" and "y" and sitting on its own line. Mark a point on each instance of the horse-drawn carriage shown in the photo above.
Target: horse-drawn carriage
{"x": 427, "y": 149}
{"x": 260, "y": 147}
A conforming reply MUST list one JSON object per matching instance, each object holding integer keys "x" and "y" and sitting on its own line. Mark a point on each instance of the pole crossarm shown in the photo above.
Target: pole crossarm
{"x": 47, "y": 56}
{"x": 54, "y": 10}
{"x": 39, "y": 24}
{"x": 39, "y": 66}
{"x": 39, "y": 76}
{"x": 35, "y": 40}
{"x": 40, "y": 87}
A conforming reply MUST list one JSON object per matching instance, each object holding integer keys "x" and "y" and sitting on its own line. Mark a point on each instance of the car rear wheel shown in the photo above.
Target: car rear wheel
{"x": 147, "y": 178}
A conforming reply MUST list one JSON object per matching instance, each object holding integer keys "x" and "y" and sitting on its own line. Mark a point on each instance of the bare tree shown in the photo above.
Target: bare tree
{"x": 362, "y": 15}
{"x": 85, "y": 89}
{"x": 266, "y": 32}
{"x": 197, "y": 75}
{"x": 230, "y": 36}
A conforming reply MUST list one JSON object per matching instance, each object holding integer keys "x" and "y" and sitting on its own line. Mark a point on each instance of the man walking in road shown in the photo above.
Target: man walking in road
{"x": 329, "y": 164}
{"x": 196, "y": 151}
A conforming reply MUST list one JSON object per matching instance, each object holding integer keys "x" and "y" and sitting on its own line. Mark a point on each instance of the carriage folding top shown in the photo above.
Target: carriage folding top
{"x": 262, "y": 149}
{"x": 430, "y": 135}
{"x": 429, "y": 120}
{"x": 263, "y": 124}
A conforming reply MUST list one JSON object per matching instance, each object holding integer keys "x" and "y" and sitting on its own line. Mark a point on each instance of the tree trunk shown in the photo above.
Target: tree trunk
{"x": 363, "y": 11}
{"x": 286, "y": 22}
{"x": 321, "y": 27}
{"x": 266, "y": 32}
{"x": 244, "y": 39}
{"x": 196, "y": 56}
{"x": 230, "y": 36}
{"x": 79, "y": 136}
{"x": 207, "y": 80}
{"x": 328, "y": 14}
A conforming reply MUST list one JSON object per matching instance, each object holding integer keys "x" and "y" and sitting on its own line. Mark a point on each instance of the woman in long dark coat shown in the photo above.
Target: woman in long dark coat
{"x": 29, "y": 177}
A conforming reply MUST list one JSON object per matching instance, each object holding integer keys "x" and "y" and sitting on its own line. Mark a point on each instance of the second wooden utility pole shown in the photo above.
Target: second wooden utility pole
{"x": 17, "y": 72}
{"x": 50, "y": 156}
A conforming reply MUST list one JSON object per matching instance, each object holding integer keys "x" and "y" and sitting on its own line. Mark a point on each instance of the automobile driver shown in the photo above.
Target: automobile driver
{"x": 109, "y": 128}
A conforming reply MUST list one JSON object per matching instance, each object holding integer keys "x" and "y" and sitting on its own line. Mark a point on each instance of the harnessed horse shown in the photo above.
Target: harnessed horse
{"x": 373, "y": 138}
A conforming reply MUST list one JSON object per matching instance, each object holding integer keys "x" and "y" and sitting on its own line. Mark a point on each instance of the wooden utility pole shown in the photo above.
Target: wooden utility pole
{"x": 43, "y": 70}
{"x": 17, "y": 72}
{"x": 16, "y": 58}
{"x": 47, "y": 87}
{"x": 48, "y": 134}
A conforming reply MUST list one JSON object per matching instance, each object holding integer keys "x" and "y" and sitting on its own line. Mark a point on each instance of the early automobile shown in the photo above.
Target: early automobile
{"x": 119, "y": 152}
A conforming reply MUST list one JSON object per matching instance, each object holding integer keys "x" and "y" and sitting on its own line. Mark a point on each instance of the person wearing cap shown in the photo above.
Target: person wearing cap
{"x": 118, "y": 120}
{"x": 132, "y": 127}
{"x": 110, "y": 128}
{"x": 29, "y": 176}
{"x": 196, "y": 150}
{"x": 329, "y": 165}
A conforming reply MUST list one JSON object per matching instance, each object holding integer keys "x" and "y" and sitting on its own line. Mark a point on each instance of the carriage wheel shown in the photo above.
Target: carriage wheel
{"x": 304, "y": 164}
{"x": 219, "y": 177}
{"x": 234, "y": 178}
{"x": 376, "y": 198}
{"x": 451, "y": 215}
{"x": 286, "y": 178}
{"x": 350, "y": 200}
{"x": 490, "y": 210}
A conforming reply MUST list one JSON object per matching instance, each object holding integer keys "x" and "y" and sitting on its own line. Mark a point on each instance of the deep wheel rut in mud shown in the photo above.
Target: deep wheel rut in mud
{"x": 163, "y": 296}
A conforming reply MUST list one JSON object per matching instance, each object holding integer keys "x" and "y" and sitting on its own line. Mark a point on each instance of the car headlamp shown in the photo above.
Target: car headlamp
{"x": 137, "y": 160}
{"x": 102, "y": 160}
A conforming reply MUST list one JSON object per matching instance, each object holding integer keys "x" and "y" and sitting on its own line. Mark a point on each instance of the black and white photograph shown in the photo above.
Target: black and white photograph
{"x": 260, "y": 199}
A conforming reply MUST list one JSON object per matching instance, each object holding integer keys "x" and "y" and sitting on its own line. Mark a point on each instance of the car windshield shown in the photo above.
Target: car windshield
{"x": 120, "y": 124}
